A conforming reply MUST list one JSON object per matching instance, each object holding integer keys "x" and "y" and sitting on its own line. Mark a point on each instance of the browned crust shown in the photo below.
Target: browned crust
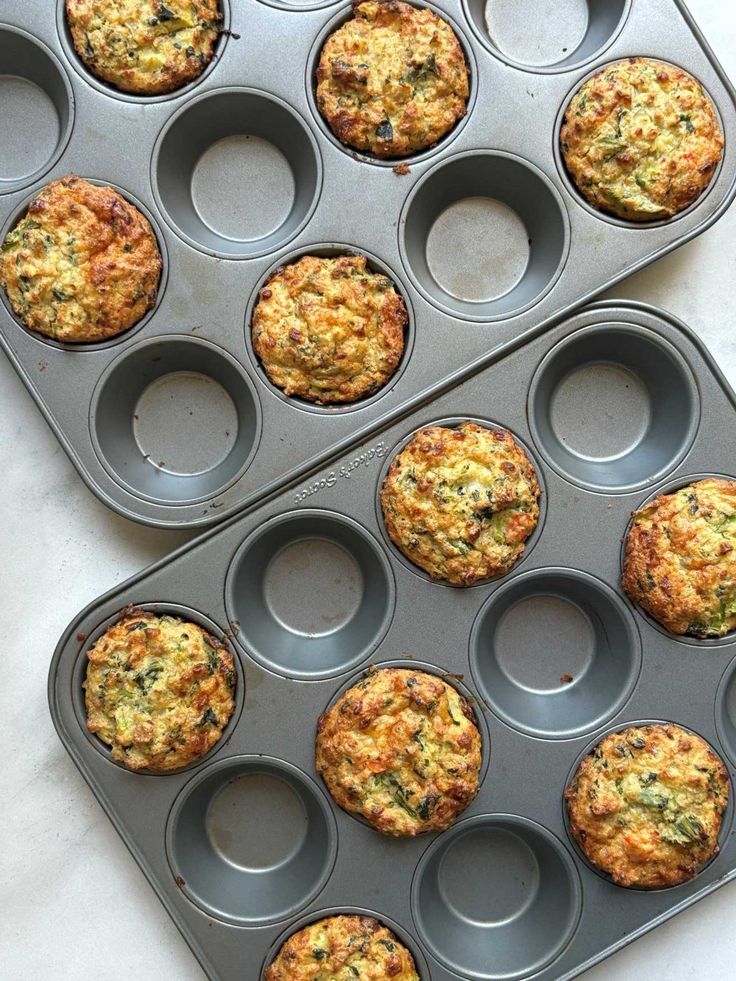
{"x": 680, "y": 558}
{"x": 641, "y": 139}
{"x": 82, "y": 265}
{"x": 646, "y": 805}
{"x": 402, "y": 749}
{"x": 329, "y": 330}
{"x": 392, "y": 80}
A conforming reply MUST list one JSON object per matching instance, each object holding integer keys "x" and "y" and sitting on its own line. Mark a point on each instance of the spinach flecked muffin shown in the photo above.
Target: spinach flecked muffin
{"x": 329, "y": 330}
{"x": 82, "y": 265}
{"x": 159, "y": 691}
{"x": 680, "y": 559}
{"x": 641, "y": 139}
{"x": 343, "y": 948}
{"x": 646, "y": 805}
{"x": 392, "y": 80}
{"x": 400, "y": 748}
{"x": 145, "y": 47}
{"x": 460, "y": 503}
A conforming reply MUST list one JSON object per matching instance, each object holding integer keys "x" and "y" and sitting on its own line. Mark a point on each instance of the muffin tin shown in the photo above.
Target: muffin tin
{"x": 247, "y": 846}
{"x": 174, "y": 422}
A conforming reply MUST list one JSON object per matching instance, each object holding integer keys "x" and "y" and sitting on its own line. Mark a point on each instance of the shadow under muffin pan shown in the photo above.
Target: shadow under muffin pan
{"x": 313, "y": 594}
{"x": 239, "y": 172}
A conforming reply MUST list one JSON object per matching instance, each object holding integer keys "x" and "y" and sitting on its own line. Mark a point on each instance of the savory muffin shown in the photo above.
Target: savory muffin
{"x": 329, "y": 330}
{"x": 343, "y": 948}
{"x": 147, "y": 47}
{"x": 641, "y": 139}
{"x": 159, "y": 691}
{"x": 460, "y": 503}
{"x": 400, "y": 748}
{"x": 680, "y": 559}
{"x": 646, "y": 805}
{"x": 83, "y": 264}
{"x": 392, "y": 80}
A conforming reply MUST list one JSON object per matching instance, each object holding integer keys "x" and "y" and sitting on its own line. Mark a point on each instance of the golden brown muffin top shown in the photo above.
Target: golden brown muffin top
{"x": 646, "y": 805}
{"x": 460, "y": 503}
{"x": 159, "y": 690}
{"x": 83, "y": 264}
{"x": 329, "y": 330}
{"x": 146, "y": 47}
{"x": 402, "y": 749}
{"x": 680, "y": 558}
{"x": 343, "y": 948}
{"x": 641, "y": 139}
{"x": 392, "y": 80}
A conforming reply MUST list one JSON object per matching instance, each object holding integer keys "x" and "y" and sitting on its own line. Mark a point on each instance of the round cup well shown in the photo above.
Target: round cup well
{"x": 251, "y": 840}
{"x": 175, "y": 419}
{"x": 237, "y": 173}
{"x": 311, "y": 594}
{"x": 613, "y": 407}
{"x": 497, "y": 896}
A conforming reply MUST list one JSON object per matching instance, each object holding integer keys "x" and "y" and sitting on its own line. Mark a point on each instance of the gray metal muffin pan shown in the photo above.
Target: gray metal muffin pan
{"x": 247, "y": 846}
{"x": 174, "y": 423}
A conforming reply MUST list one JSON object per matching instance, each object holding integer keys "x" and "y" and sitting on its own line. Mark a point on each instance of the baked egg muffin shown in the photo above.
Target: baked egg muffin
{"x": 401, "y": 749}
{"x": 392, "y": 80}
{"x": 145, "y": 47}
{"x": 329, "y": 330}
{"x": 343, "y": 948}
{"x": 82, "y": 265}
{"x": 680, "y": 559}
{"x": 159, "y": 691}
{"x": 641, "y": 139}
{"x": 460, "y": 503}
{"x": 646, "y": 805}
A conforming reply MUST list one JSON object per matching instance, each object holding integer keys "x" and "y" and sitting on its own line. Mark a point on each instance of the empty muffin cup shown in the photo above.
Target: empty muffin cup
{"x": 543, "y": 37}
{"x": 37, "y": 101}
{"x": 311, "y": 594}
{"x": 555, "y": 652}
{"x": 251, "y": 840}
{"x": 175, "y": 419}
{"x": 726, "y": 711}
{"x": 613, "y": 407}
{"x": 484, "y": 235}
{"x": 237, "y": 173}
{"x": 496, "y": 897}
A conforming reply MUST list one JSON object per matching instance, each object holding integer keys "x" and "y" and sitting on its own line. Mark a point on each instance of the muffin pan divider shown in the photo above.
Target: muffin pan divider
{"x": 239, "y": 173}
{"x": 506, "y": 879}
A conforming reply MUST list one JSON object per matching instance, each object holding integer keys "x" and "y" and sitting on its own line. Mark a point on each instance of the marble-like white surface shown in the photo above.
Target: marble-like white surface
{"x": 74, "y": 903}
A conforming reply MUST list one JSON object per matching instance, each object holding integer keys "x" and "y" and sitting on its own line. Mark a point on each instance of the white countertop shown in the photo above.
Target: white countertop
{"x": 74, "y": 903}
